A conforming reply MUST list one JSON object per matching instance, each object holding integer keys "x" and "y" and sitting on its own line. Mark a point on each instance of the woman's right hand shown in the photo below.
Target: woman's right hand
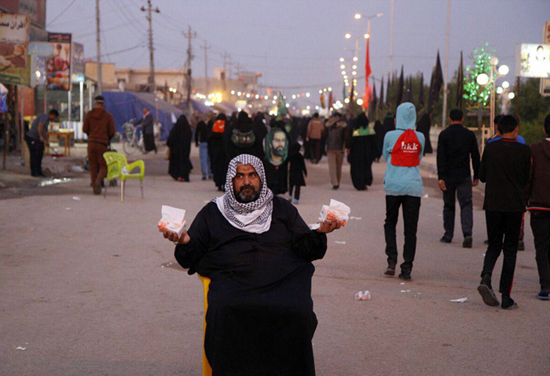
{"x": 173, "y": 237}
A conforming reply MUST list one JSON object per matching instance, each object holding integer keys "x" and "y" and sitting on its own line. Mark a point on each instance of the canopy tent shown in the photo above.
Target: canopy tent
{"x": 125, "y": 106}
{"x": 197, "y": 107}
{"x": 225, "y": 107}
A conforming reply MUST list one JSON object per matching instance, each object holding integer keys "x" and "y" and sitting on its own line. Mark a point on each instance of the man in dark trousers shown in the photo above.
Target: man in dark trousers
{"x": 148, "y": 129}
{"x": 505, "y": 168}
{"x": 539, "y": 206}
{"x": 456, "y": 146}
{"x": 100, "y": 127}
{"x": 36, "y": 137}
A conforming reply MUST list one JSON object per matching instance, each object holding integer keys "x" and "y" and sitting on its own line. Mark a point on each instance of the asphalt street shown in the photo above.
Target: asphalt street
{"x": 88, "y": 286}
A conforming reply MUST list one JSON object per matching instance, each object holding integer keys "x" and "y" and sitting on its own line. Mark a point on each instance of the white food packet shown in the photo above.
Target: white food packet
{"x": 172, "y": 220}
{"x": 337, "y": 209}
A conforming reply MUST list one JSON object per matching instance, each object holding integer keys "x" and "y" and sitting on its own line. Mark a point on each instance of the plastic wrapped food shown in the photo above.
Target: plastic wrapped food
{"x": 336, "y": 211}
{"x": 172, "y": 220}
{"x": 363, "y": 295}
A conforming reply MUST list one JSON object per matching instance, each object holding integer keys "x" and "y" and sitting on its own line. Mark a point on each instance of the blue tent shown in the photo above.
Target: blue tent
{"x": 125, "y": 106}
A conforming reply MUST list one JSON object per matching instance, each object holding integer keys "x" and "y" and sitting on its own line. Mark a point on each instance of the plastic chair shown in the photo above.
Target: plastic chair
{"x": 206, "y": 369}
{"x": 118, "y": 167}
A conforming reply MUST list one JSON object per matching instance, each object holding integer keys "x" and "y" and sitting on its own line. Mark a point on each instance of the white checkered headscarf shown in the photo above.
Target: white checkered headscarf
{"x": 255, "y": 216}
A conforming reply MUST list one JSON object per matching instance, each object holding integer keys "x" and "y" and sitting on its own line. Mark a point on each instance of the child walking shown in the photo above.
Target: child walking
{"x": 297, "y": 173}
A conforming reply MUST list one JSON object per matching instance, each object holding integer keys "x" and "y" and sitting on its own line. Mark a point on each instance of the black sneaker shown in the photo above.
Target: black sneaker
{"x": 488, "y": 295}
{"x": 445, "y": 239}
{"x": 335, "y": 187}
{"x": 390, "y": 270}
{"x": 508, "y": 303}
{"x": 467, "y": 242}
{"x": 405, "y": 275}
{"x": 521, "y": 246}
{"x": 544, "y": 294}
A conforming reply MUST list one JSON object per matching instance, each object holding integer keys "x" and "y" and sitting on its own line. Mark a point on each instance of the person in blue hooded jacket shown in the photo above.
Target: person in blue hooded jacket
{"x": 403, "y": 149}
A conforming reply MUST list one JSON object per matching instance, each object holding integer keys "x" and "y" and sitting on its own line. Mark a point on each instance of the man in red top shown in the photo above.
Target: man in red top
{"x": 100, "y": 127}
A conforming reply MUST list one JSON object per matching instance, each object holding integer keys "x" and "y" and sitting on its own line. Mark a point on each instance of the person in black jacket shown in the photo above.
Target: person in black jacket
{"x": 539, "y": 207}
{"x": 298, "y": 172}
{"x": 201, "y": 141}
{"x": 455, "y": 147}
{"x": 505, "y": 168}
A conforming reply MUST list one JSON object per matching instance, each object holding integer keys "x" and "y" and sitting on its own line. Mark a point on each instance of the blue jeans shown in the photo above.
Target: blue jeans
{"x": 205, "y": 160}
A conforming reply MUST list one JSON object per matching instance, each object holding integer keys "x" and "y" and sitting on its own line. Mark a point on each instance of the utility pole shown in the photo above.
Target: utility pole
{"x": 225, "y": 57}
{"x": 99, "y": 70}
{"x": 149, "y": 10}
{"x": 391, "y": 37}
{"x": 238, "y": 69}
{"x": 205, "y": 47}
{"x": 189, "y": 35}
{"x": 444, "y": 117}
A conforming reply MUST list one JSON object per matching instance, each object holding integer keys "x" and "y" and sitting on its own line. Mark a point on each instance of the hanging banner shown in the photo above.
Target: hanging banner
{"x": 58, "y": 64}
{"x": 14, "y": 43}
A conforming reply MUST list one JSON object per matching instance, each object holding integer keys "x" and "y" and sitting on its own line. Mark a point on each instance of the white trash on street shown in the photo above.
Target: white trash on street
{"x": 363, "y": 295}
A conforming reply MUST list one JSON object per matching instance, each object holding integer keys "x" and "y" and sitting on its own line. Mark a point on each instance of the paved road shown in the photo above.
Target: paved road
{"x": 90, "y": 287}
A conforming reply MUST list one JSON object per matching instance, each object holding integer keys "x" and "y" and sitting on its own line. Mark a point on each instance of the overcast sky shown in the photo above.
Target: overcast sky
{"x": 297, "y": 43}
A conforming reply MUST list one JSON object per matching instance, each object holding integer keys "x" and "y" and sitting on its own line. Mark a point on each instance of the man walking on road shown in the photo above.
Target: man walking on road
{"x": 36, "y": 137}
{"x": 336, "y": 136}
{"x": 314, "y": 134}
{"x": 403, "y": 149}
{"x": 100, "y": 127}
{"x": 505, "y": 168}
{"x": 539, "y": 206}
{"x": 456, "y": 146}
{"x": 202, "y": 132}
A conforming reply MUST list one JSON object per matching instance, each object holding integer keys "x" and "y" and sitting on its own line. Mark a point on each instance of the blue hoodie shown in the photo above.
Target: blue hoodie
{"x": 402, "y": 181}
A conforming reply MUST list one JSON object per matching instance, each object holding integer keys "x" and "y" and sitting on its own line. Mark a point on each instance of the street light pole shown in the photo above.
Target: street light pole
{"x": 391, "y": 36}
{"x": 444, "y": 115}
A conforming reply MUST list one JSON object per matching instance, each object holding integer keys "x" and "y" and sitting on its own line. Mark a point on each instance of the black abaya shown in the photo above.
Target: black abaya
{"x": 277, "y": 177}
{"x": 260, "y": 318}
{"x": 362, "y": 154}
{"x": 179, "y": 142}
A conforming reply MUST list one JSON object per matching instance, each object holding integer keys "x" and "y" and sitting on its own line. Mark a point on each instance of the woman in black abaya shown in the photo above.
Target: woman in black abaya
{"x": 216, "y": 150}
{"x": 424, "y": 125}
{"x": 362, "y": 152}
{"x": 179, "y": 142}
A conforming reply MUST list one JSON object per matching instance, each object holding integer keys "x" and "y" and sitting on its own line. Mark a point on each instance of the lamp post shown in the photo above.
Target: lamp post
{"x": 490, "y": 81}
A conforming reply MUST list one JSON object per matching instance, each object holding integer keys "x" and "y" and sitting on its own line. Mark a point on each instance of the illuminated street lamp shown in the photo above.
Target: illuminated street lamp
{"x": 490, "y": 81}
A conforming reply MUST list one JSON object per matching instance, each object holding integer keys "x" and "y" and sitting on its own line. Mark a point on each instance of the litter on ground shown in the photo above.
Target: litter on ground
{"x": 461, "y": 300}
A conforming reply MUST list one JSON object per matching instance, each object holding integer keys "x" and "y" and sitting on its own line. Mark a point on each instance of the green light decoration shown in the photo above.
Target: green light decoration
{"x": 473, "y": 92}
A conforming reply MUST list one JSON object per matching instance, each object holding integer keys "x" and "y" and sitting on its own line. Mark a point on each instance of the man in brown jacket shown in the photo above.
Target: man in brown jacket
{"x": 100, "y": 127}
{"x": 539, "y": 206}
{"x": 315, "y": 130}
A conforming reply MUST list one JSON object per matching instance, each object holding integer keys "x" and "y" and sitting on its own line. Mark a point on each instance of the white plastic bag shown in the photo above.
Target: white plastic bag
{"x": 336, "y": 210}
{"x": 172, "y": 220}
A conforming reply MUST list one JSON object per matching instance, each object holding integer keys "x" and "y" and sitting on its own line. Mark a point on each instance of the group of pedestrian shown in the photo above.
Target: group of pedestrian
{"x": 260, "y": 318}
{"x": 517, "y": 178}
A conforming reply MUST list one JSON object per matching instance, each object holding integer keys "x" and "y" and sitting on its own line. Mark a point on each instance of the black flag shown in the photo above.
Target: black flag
{"x": 381, "y": 104}
{"x": 388, "y": 88}
{"x": 421, "y": 93}
{"x": 435, "y": 85}
{"x": 400, "y": 89}
{"x": 460, "y": 84}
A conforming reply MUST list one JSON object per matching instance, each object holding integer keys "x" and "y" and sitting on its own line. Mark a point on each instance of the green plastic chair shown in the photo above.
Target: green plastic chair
{"x": 118, "y": 167}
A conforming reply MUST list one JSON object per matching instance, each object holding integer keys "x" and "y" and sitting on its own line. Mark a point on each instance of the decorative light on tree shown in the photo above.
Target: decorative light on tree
{"x": 474, "y": 92}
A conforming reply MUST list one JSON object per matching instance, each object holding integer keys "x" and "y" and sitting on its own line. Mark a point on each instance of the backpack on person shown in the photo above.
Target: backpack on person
{"x": 243, "y": 139}
{"x": 407, "y": 149}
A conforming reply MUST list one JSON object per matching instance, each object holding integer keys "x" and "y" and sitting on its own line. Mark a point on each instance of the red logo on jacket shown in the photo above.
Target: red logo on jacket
{"x": 407, "y": 149}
